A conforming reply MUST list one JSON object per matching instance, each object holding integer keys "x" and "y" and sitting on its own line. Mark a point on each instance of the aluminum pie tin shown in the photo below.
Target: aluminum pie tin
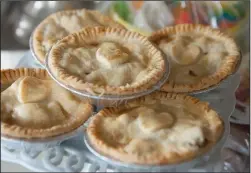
{"x": 33, "y": 51}
{"x": 183, "y": 166}
{"x": 220, "y": 83}
{"x": 116, "y": 98}
{"x": 39, "y": 144}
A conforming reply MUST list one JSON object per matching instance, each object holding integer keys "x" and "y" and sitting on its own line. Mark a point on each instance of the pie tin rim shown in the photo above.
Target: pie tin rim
{"x": 33, "y": 51}
{"x": 59, "y": 138}
{"x": 111, "y": 97}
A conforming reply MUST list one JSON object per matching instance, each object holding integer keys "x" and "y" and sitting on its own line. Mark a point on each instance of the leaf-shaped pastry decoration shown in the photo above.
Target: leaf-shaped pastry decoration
{"x": 32, "y": 115}
{"x": 82, "y": 53}
{"x": 122, "y": 77}
{"x": 142, "y": 146}
{"x": 151, "y": 121}
{"x": 110, "y": 54}
{"x": 32, "y": 89}
{"x": 188, "y": 135}
{"x": 180, "y": 51}
{"x": 96, "y": 77}
{"x": 203, "y": 43}
{"x": 71, "y": 23}
{"x": 56, "y": 111}
{"x": 213, "y": 60}
{"x": 125, "y": 119}
{"x": 185, "y": 56}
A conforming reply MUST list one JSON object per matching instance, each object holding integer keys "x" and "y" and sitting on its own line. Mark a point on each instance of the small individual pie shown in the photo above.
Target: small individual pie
{"x": 158, "y": 129}
{"x": 61, "y": 24}
{"x": 200, "y": 57}
{"x": 104, "y": 60}
{"x": 34, "y": 107}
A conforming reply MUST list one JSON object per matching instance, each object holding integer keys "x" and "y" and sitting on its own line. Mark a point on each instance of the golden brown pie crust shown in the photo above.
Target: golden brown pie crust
{"x": 215, "y": 124}
{"x": 94, "y": 35}
{"x": 226, "y": 69}
{"x": 8, "y": 76}
{"x": 37, "y": 36}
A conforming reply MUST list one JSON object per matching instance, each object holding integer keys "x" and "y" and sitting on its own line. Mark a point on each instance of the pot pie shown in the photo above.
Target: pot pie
{"x": 34, "y": 107}
{"x": 158, "y": 129}
{"x": 60, "y": 24}
{"x": 104, "y": 60}
{"x": 200, "y": 57}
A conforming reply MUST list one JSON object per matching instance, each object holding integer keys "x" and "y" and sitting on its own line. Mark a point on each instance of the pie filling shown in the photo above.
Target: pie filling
{"x": 34, "y": 103}
{"x": 192, "y": 56}
{"x": 107, "y": 63}
{"x": 157, "y": 128}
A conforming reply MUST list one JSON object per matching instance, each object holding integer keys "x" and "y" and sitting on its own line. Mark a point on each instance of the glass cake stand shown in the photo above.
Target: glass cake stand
{"x": 75, "y": 155}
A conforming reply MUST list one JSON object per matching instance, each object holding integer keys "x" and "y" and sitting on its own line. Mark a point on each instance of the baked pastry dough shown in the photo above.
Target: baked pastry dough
{"x": 161, "y": 128}
{"x": 61, "y": 24}
{"x": 200, "y": 56}
{"x": 33, "y": 106}
{"x": 102, "y": 60}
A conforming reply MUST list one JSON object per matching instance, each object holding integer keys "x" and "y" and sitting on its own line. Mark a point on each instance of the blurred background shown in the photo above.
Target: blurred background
{"x": 19, "y": 18}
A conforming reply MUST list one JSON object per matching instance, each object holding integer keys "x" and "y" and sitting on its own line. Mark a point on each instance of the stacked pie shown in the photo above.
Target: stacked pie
{"x": 90, "y": 53}
{"x": 158, "y": 129}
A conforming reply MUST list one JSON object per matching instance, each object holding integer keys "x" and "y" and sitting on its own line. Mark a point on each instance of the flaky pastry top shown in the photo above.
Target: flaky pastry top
{"x": 199, "y": 56}
{"x": 61, "y": 24}
{"x": 106, "y": 60}
{"x": 162, "y": 129}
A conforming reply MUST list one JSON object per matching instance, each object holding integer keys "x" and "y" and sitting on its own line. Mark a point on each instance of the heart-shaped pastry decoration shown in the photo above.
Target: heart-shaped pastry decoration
{"x": 187, "y": 135}
{"x": 172, "y": 129}
{"x": 181, "y": 52}
{"x": 150, "y": 121}
{"x": 200, "y": 56}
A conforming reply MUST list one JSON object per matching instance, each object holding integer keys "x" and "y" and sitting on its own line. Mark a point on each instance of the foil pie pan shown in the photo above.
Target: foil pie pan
{"x": 39, "y": 144}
